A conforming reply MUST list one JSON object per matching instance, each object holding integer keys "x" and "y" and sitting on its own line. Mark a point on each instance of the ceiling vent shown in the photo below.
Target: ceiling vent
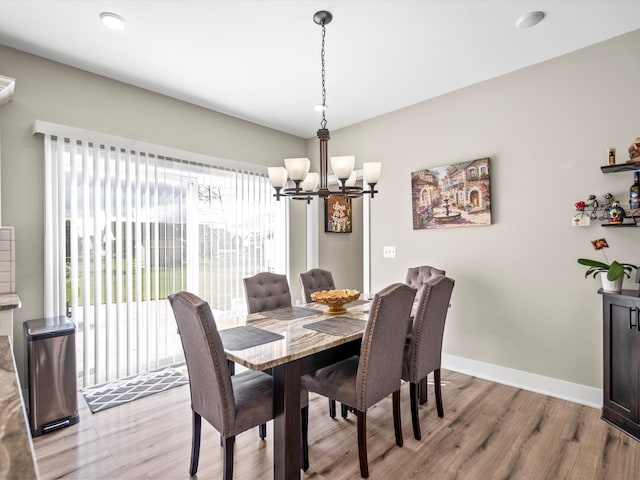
{"x": 6, "y": 89}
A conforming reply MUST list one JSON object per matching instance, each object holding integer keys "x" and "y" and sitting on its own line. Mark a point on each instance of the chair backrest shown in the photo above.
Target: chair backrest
{"x": 209, "y": 377}
{"x": 315, "y": 280}
{"x": 417, "y": 276}
{"x": 266, "y": 291}
{"x": 382, "y": 350}
{"x": 425, "y": 347}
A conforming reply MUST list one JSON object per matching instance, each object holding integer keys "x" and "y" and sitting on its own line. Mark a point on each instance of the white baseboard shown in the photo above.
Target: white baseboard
{"x": 553, "y": 387}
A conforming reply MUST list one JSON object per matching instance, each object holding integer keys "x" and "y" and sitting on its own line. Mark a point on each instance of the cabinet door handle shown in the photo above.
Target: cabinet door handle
{"x": 633, "y": 310}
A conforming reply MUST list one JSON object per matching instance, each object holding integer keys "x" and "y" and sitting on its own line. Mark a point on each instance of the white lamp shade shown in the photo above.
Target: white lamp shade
{"x": 297, "y": 167}
{"x": 277, "y": 176}
{"x": 372, "y": 172}
{"x": 343, "y": 166}
{"x": 351, "y": 181}
{"x": 310, "y": 183}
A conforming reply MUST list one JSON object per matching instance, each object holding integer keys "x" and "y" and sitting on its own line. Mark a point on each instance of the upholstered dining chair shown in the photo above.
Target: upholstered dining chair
{"x": 230, "y": 403}
{"x": 363, "y": 380}
{"x": 266, "y": 291}
{"x": 417, "y": 276}
{"x": 423, "y": 351}
{"x": 316, "y": 280}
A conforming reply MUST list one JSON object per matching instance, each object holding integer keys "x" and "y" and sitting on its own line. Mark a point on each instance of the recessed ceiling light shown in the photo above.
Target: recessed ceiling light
{"x": 112, "y": 21}
{"x": 529, "y": 20}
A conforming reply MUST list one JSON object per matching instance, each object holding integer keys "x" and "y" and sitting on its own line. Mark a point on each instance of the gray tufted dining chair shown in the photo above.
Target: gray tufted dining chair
{"x": 423, "y": 351}
{"x": 417, "y": 276}
{"x": 231, "y": 404}
{"x": 266, "y": 291}
{"x": 315, "y": 280}
{"x": 363, "y": 380}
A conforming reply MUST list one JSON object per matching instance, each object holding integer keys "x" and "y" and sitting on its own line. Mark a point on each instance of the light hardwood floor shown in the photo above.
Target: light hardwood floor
{"x": 489, "y": 431}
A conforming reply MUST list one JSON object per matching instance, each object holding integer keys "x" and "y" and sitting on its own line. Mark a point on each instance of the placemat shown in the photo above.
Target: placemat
{"x": 355, "y": 303}
{"x": 246, "y": 336}
{"x": 290, "y": 313}
{"x": 339, "y": 326}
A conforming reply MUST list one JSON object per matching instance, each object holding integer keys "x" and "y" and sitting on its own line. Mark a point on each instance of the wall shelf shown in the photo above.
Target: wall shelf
{"x": 621, "y": 167}
{"x": 625, "y": 224}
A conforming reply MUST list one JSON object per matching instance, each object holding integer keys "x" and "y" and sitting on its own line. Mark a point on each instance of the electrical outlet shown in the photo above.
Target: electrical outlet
{"x": 389, "y": 252}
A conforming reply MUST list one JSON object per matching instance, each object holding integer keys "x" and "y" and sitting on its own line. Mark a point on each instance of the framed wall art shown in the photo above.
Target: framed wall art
{"x": 337, "y": 214}
{"x": 455, "y": 195}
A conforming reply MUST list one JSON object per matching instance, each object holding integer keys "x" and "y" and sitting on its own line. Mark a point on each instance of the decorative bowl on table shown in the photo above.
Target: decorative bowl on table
{"x": 335, "y": 300}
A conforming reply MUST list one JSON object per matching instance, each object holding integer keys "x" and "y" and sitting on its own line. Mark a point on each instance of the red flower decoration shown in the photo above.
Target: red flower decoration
{"x": 580, "y": 205}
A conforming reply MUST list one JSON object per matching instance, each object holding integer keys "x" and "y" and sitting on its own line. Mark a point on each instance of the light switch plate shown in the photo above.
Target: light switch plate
{"x": 389, "y": 252}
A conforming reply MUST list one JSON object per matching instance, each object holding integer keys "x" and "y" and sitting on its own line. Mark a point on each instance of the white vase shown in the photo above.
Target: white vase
{"x": 611, "y": 286}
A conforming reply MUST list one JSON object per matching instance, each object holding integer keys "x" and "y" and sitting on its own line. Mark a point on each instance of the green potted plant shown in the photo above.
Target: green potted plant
{"x": 611, "y": 273}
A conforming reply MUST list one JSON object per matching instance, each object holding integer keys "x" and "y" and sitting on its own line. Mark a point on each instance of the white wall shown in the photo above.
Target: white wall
{"x": 520, "y": 301}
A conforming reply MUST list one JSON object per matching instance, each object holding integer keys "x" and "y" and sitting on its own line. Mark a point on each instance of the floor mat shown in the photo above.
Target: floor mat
{"x": 118, "y": 392}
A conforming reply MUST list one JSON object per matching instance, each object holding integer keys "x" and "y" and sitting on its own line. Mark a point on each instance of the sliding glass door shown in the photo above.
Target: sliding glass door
{"x": 126, "y": 228}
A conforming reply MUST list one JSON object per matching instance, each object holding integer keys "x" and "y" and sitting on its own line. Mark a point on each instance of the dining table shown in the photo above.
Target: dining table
{"x": 292, "y": 342}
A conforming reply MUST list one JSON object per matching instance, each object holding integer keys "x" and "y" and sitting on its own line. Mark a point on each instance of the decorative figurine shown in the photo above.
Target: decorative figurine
{"x": 616, "y": 212}
{"x": 592, "y": 201}
{"x": 612, "y": 156}
{"x": 608, "y": 200}
{"x": 634, "y": 151}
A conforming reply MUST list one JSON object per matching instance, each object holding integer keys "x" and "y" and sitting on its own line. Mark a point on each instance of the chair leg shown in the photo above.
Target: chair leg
{"x": 232, "y": 367}
{"x": 423, "y": 391}
{"x": 332, "y": 408}
{"x": 362, "y": 443}
{"x": 304, "y": 424}
{"x": 344, "y": 410}
{"x": 196, "y": 428}
{"x": 438, "y": 385}
{"x": 397, "y": 418}
{"x": 262, "y": 431}
{"x": 415, "y": 419}
{"x": 228, "y": 458}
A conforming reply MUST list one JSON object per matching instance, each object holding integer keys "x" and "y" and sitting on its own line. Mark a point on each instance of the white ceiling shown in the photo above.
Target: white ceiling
{"x": 259, "y": 60}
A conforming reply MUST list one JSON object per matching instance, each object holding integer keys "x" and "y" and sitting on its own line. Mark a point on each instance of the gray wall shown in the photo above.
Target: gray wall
{"x": 56, "y": 93}
{"x": 521, "y": 301}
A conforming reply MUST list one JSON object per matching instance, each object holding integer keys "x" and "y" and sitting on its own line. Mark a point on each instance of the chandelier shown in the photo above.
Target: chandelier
{"x": 307, "y": 185}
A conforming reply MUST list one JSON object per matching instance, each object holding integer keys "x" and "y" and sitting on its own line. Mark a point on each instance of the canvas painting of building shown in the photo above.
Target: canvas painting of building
{"x": 455, "y": 195}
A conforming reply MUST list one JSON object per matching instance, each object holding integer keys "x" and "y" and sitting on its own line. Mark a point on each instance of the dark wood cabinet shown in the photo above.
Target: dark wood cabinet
{"x": 621, "y": 322}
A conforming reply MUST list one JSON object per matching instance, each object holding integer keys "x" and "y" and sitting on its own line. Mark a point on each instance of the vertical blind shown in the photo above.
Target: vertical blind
{"x": 125, "y": 228}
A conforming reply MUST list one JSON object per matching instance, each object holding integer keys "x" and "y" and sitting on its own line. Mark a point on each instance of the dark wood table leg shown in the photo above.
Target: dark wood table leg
{"x": 286, "y": 422}
{"x": 422, "y": 391}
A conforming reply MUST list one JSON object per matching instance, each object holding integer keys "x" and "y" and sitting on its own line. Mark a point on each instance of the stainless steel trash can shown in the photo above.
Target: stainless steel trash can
{"x": 51, "y": 366}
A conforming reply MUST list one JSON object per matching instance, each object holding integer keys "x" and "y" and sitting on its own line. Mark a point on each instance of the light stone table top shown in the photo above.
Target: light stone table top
{"x": 298, "y": 341}
{"x": 9, "y": 301}
{"x": 17, "y": 459}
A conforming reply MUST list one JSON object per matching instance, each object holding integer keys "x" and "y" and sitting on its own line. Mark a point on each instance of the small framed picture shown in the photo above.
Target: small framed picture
{"x": 599, "y": 244}
{"x": 337, "y": 214}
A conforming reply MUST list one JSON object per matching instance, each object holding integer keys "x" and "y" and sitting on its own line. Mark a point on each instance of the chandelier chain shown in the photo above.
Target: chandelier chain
{"x": 323, "y": 123}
